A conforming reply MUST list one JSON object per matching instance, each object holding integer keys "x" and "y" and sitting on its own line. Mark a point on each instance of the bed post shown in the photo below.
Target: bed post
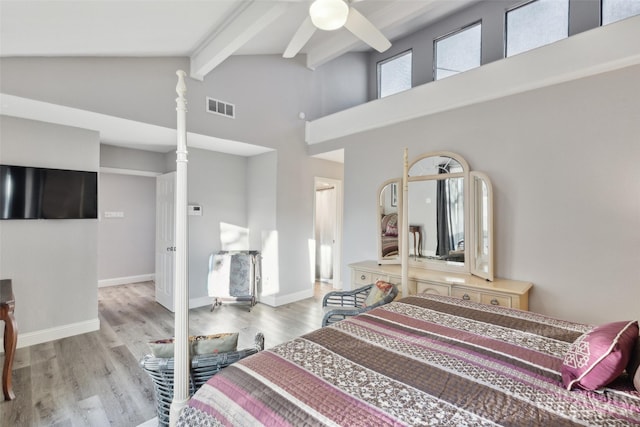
{"x": 404, "y": 241}
{"x": 181, "y": 283}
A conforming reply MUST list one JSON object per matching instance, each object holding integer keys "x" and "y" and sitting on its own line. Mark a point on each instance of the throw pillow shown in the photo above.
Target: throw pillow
{"x": 162, "y": 348}
{"x": 599, "y": 356}
{"x": 633, "y": 368}
{"x": 378, "y": 292}
{"x": 218, "y": 343}
{"x": 200, "y": 344}
{"x": 392, "y": 230}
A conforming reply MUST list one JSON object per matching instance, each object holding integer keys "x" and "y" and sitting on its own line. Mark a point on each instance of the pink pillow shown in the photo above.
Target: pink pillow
{"x": 599, "y": 356}
{"x": 633, "y": 369}
{"x": 392, "y": 230}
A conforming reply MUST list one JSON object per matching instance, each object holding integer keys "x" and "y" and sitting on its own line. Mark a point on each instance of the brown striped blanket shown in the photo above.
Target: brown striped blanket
{"x": 423, "y": 360}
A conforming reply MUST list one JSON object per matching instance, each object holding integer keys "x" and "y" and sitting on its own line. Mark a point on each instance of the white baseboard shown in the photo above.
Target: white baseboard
{"x": 200, "y": 302}
{"x": 126, "y": 280}
{"x": 45, "y": 335}
{"x": 277, "y": 300}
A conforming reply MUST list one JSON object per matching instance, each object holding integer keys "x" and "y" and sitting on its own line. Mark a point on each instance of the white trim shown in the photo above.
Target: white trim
{"x": 126, "y": 280}
{"x": 52, "y": 334}
{"x": 135, "y": 172}
{"x": 200, "y": 302}
{"x": 592, "y": 52}
{"x": 278, "y": 300}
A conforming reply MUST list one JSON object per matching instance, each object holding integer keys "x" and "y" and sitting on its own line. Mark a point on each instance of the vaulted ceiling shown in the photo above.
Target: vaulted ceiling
{"x": 207, "y": 32}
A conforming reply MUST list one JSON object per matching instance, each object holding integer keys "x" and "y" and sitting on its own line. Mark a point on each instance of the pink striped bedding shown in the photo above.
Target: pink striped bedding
{"x": 423, "y": 360}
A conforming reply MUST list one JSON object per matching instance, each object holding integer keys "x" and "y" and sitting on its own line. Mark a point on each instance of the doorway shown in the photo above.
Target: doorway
{"x": 328, "y": 231}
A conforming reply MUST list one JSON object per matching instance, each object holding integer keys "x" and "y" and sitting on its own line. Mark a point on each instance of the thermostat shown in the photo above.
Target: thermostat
{"x": 194, "y": 210}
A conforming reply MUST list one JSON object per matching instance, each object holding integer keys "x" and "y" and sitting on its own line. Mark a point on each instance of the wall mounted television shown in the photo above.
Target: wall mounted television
{"x": 41, "y": 193}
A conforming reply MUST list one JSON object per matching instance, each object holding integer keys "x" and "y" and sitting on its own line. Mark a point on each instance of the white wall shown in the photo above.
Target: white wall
{"x": 53, "y": 263}
{"x": 564, "y": 165}
{"x": 269, "y": 93}
{"x": 126, "y": 249}
{"x": 217, "y": 182}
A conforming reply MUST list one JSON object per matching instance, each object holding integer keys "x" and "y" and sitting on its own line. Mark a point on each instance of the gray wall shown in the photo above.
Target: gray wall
{"x": 583, "y": 15}
{"x": 217, "y": 182}
{"x": 564, "y": 165}
{"x": 132, "y": 159}
{"x": 126, "y": 245}
{"x": 269, "y": 93}
{"x": 53, "y": 263}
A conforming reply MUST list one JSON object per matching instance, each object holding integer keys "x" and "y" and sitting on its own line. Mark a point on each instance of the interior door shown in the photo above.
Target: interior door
{"x": 332, "y": 242}
{"x": 165, "y": 239}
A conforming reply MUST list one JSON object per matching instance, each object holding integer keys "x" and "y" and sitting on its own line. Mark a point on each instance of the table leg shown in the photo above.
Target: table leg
{"x": 10, "y": 342}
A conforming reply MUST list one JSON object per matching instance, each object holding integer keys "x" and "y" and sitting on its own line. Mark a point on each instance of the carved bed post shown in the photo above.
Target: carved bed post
{"x": 404, "y": 235}
{"x": 181, "y": 286}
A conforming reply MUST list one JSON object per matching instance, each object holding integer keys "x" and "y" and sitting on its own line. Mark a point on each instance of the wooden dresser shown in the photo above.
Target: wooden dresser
{"x": 504, "y": 292}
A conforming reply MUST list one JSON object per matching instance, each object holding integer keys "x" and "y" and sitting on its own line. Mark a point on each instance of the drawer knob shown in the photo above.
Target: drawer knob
{"x": 363, "y": 277}
{"x": 495, "y": 302}
{"x": 466, "y": 297}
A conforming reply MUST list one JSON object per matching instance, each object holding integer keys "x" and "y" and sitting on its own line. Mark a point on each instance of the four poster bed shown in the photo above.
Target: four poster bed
{"x": 428, "y": 360}
{"x": 423, "y": 360}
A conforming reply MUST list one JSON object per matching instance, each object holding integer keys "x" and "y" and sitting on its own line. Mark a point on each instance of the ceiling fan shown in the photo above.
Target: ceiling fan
{"x": 331, "y": 15}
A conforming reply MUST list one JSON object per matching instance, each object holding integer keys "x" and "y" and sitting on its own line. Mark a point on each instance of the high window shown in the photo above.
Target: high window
{"x": 536, "y": 24}
{"x": 615, "y": 10}
{"x": 457, "y": 52}
{"x": 394, "y": 74}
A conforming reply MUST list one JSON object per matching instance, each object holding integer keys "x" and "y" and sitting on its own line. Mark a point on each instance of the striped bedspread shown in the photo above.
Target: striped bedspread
{"x": 423, "y": 360}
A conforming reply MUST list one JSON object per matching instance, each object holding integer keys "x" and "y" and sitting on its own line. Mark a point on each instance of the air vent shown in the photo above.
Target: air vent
{"x": 222, "y": 108}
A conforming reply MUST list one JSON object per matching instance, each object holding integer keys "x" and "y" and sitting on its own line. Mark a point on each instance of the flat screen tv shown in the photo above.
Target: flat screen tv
{"x": 40, "y": 193}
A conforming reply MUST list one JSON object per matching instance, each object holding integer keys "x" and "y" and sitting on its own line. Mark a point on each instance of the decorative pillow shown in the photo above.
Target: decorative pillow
{"x": 633, "y": 368}
{"x": 218, "y": 343}
{"x": 389, "y": 223}
{"x": 378, "y": 292}
{"x": 599, "y": 356}
{"x": 162, "y": 348}
{"x": 200, "y": 344}
{"x": 392, "y": 230}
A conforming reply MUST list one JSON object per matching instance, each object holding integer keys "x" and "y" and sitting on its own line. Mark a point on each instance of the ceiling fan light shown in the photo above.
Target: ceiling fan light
{"x": 328, "y": 14}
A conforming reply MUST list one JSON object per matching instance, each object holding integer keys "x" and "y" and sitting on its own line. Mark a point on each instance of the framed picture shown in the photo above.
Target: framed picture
{"x": 394, "y": 194}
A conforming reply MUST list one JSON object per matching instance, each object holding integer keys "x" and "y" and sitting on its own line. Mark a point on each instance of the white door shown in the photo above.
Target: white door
{"x": 332, "y": 245}
{"x": 165, "y": 238}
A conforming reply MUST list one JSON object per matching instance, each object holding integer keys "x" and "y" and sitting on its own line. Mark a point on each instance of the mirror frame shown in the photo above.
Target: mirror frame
{"x": 395, "y": 259}
{"x": 472, "y": 208}
{"x": 436, "y": 264}
{"x": 477, "y": 207}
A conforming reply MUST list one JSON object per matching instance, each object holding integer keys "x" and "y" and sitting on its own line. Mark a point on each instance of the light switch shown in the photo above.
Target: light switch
{"x": 114, "y": 214}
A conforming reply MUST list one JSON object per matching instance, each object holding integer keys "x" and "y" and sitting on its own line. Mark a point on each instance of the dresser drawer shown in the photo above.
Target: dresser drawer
{"x": 466, "y": 294}
{"x": 501, "y": 300}
{"x": 432, "y": 288}
{"x": 361, "y": 278}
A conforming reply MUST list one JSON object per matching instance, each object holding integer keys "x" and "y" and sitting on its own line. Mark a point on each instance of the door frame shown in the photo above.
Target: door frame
{"x": 337, "y": 252}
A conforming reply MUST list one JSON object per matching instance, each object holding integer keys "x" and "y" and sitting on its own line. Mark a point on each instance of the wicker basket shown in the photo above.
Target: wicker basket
{"x": 203, "y": 367}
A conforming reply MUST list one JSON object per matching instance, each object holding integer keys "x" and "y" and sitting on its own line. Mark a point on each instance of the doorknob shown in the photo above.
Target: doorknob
{"x": 171, "y": 249}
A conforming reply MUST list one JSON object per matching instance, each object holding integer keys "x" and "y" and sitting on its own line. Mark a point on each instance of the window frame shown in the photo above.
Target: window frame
{"x": 389, "y": 59}
{"x": 450, "y": 34}
{"x": 601, "y": 4}
{"x": 524, "y": 4}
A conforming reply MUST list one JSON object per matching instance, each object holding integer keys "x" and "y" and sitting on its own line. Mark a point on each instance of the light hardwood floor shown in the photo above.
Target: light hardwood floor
{"x": 94, "y": 379}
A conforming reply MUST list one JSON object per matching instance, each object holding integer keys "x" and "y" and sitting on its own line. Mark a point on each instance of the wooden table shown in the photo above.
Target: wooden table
{"x": 416, "y": 231}
{"x": 7, "y": 306}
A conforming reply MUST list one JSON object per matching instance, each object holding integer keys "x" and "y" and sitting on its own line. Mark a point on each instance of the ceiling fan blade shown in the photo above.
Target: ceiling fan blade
{"x": 362, "y": 28}
{"x": 300, "y": 38}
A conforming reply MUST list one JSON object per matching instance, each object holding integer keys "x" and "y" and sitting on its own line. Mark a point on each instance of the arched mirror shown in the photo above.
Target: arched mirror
{"x": 388, "y": 220}
{"x": 449, "y": 216}
{"x": 437, "y": 212}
